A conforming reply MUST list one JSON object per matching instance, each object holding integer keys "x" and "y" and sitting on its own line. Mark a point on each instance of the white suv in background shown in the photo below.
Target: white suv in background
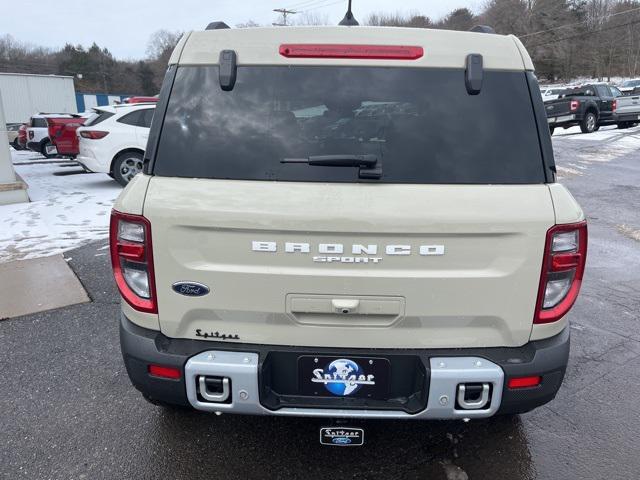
{"x": 113, "y": 140}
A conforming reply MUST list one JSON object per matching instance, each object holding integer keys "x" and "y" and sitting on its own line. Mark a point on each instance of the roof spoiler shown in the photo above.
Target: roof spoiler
{"x": 217, "y": 26}
{"x": 482, "y": 29}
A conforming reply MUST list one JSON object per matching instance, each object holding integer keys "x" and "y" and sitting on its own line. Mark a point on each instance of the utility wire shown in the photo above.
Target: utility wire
{"x": 304, "y": 4}
{"x": 604, "y": 17}
{"x": 612, "y": 27}
{"x": 322, "y": 6}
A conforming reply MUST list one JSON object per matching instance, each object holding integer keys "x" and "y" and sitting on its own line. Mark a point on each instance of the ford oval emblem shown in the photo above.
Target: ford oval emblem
{"x": 190, "y": 289}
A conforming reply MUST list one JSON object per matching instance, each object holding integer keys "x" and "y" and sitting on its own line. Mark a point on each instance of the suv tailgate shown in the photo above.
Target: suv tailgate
{"x": 480, "y": 292}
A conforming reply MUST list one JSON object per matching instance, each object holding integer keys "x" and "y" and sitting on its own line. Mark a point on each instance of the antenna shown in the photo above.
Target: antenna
{"x": 348, "y": 19}
{"x": 284, "y": 13}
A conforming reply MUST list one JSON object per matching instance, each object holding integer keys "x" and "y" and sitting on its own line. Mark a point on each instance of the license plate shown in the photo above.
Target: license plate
{"x": 361, "y": 377}
{"x": 342, "y": 437}
{"x": 51, "y": 149}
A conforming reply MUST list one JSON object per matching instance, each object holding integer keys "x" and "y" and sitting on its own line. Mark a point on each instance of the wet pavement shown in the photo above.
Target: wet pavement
{"x": 68, "y": 411}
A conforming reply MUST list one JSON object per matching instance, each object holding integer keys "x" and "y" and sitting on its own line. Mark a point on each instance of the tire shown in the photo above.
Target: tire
{"x": 16, "y": 145}
{"x": 43, "y": 149}
{"x": 126, "y": 166}
{"x": 589, "y": 123}
{"x": 551, "y": 130}
{"x": 623, "y": 125}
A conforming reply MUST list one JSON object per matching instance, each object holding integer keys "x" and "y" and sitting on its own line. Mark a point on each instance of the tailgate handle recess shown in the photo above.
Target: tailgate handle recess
{"x": 330, "y": 305}
{"x": 345, "y": 306}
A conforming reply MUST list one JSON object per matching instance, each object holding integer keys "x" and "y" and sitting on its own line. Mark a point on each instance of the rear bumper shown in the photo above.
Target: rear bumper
{"x": 247, "y": 367}
{"x": 92, "y": 164}
{"x": 563, "y": 120}
{"x": 627, "y": 117}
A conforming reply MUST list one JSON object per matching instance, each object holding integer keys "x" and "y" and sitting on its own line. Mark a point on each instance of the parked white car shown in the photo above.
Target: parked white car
{"x": 113, "y": 140}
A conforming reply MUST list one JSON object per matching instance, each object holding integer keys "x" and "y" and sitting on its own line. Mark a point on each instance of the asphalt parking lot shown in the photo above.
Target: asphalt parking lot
{"x": 68, "y": 411}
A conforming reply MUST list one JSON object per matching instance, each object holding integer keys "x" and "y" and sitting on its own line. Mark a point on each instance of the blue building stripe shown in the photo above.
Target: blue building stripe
{"x": 80, "y": 102}
{"x": 102, "y": 99}
{"x": 97, "y": 99}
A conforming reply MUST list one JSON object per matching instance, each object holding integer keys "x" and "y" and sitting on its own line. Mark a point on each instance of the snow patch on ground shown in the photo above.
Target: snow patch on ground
{"x": 575, "y": 151}
{"x": 67, "y": 209}
{"x": 564, "y": 172}
{"x": 630, "y": 232}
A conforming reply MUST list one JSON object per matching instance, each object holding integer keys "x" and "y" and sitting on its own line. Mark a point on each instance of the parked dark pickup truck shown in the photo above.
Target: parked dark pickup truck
{"x": 590, "y": 107}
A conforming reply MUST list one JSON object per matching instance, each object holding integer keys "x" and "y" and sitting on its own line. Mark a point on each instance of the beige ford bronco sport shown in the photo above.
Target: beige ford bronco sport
{"x": 352, "y": 222}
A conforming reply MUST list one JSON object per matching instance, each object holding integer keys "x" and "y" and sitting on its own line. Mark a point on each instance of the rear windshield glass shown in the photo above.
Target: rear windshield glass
{"x": 584, "y": 91}
{"x": 421, "y": 124}
{"x": 97, "y": 118}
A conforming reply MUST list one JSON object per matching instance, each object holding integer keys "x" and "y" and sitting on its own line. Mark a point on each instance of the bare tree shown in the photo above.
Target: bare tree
{"x": 311, "y": 18}
{"x": 459, "y": 19}
{"x": 159, "y": 49}
{"x": 414, "y": 20}
{"x": 160, "y": 42}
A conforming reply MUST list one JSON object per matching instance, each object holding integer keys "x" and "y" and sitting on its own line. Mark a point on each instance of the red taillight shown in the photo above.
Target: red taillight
{"x": 565, "y": 256}
{"x": 614, "y": 105}
{"x": 574, "y": 105}
{"x": 375, "y": 52}
{"x": 132, "y": 260}
{"x": 524, "y": 382}
{"x": 93, "y": 134}
{"x": 165, "y": 372}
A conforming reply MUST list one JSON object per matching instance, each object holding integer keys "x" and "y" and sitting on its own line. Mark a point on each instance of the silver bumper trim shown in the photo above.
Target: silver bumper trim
{"x": 446, "y": 374}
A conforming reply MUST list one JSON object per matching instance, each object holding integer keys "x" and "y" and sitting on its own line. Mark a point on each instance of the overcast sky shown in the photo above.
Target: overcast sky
{"x": 124, "y": 26}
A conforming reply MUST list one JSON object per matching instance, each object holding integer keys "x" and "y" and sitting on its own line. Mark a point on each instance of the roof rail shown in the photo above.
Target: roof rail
{"x": 217, "y": 26}
{"x": 482, "y": 29}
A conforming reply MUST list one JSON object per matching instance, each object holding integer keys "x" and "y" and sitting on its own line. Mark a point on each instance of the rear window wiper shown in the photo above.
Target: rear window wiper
{"x": 370, "y": 166}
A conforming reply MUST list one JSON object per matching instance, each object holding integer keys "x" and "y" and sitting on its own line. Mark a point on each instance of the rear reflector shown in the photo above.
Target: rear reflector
{"x": 165, "y": 372}
{"x": 376, "y": 52}
{"x": 131, "y": 251}
{"x": 524, "y": 382}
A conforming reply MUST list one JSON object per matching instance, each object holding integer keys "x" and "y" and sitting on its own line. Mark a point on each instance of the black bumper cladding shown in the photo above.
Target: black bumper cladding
{"x": 279, "y": 378}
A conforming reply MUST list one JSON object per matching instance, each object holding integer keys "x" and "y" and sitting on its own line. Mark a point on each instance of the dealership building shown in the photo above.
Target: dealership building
{"x": 25, "y": 94}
